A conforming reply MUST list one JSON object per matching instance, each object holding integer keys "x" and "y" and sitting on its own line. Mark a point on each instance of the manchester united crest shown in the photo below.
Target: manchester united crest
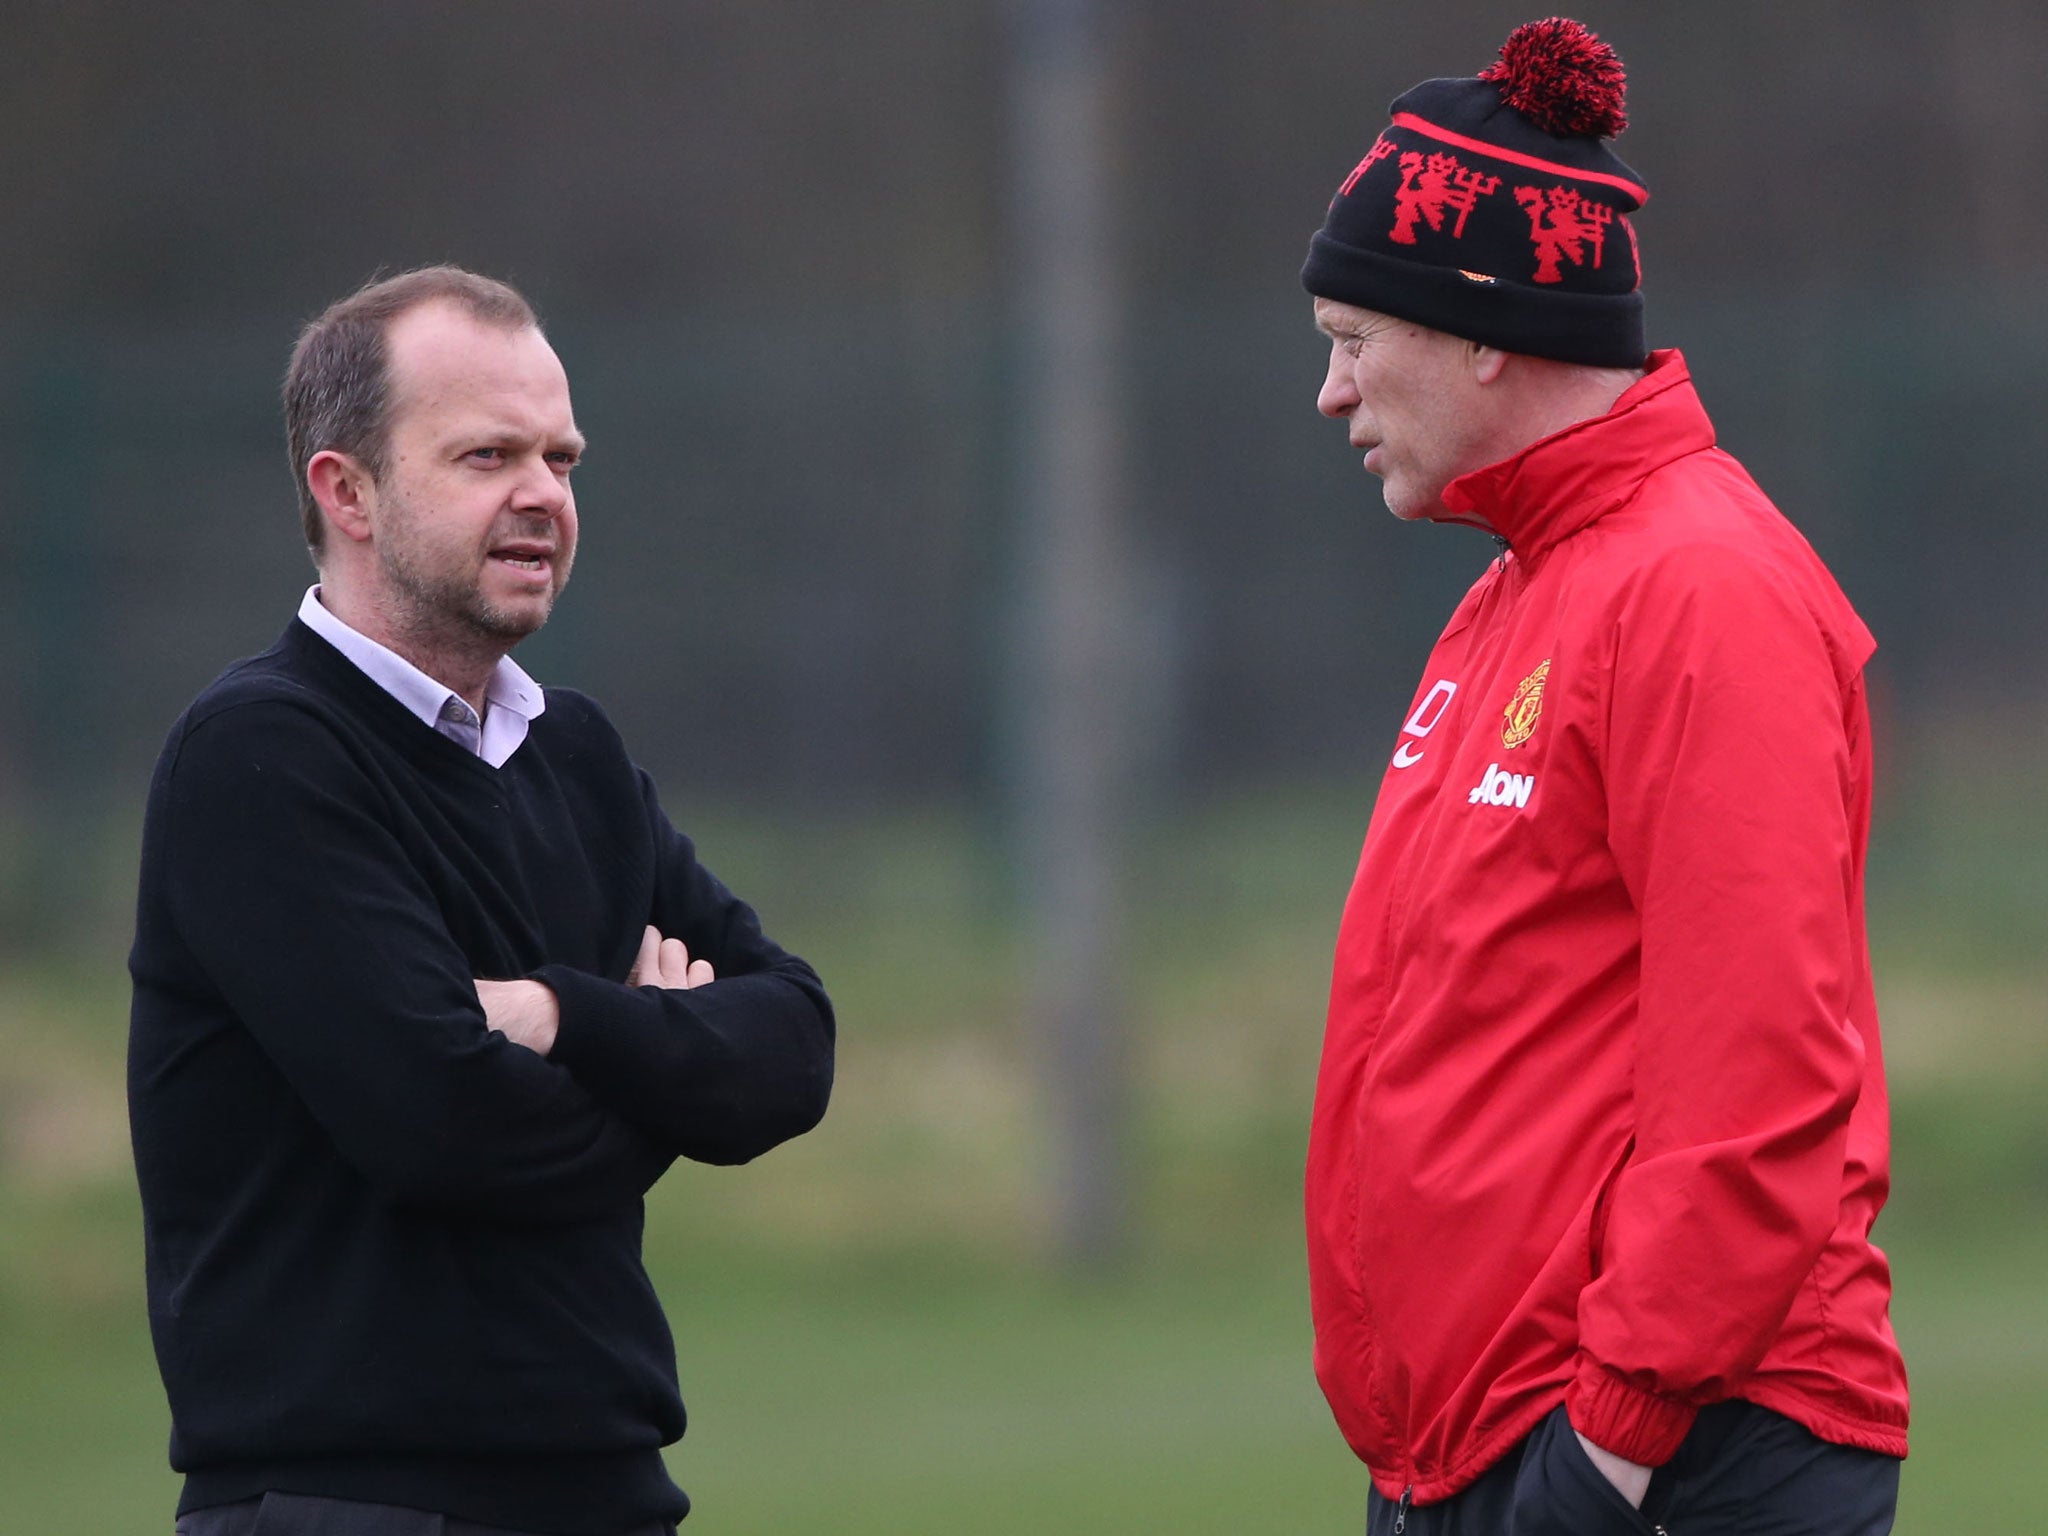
{"x": 1518, "y": 720}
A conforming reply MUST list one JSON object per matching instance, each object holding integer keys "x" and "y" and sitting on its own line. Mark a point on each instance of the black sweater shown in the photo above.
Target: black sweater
{"x": 391, "y": 1255}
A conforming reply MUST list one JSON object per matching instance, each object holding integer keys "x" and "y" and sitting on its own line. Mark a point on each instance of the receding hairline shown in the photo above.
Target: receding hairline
{"x": 382, "y": 302}
{"x": 400, "y": 380}
{"x": 455, "y": 309}
{"x": 457, "y": 305}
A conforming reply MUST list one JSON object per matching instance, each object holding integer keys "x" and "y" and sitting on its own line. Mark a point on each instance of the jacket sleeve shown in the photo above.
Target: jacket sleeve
{"x": 296, "y": 900}
{"x": 718, "y": 1073}
{"x": 1731, "y": 783}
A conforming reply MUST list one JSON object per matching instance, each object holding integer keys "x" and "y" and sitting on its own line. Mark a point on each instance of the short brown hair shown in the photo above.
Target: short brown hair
{"x": 337, "y": 392}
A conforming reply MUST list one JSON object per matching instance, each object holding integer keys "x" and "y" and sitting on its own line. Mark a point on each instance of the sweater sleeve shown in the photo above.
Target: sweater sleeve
{"x": 718, "y": 1073}
{"x": 297, "y": 901}
{"x": 1731, "y": 782}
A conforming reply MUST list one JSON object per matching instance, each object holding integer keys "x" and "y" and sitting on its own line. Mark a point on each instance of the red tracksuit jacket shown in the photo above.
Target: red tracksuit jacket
{"x": 1601, "y": 1113}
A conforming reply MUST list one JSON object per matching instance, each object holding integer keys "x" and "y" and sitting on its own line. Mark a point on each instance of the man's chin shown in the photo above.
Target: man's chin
{"x": 511, "y": 623}
{"x": 1407, "y": 508}
{"x": 1410, "y": 505}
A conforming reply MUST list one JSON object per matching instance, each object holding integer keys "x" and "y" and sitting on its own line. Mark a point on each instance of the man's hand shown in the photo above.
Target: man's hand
{"x": 527, "y": 1013}
{"x": 666, "y": 963}
{"x": 1631, "y": 1477}
{"x": 524, "y": 1012}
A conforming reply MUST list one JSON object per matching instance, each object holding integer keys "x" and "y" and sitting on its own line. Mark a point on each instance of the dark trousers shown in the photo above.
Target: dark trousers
{"x": 1742, "y": 1471}
{"x": 298, "y": 1514}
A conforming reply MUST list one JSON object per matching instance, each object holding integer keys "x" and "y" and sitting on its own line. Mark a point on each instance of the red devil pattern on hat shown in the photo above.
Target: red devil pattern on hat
{"x": 1487, "y": 208}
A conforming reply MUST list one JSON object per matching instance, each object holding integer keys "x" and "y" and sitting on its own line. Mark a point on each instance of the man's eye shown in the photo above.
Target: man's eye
{"x": 489, "y": 455}
{"x": 563, "y": 460}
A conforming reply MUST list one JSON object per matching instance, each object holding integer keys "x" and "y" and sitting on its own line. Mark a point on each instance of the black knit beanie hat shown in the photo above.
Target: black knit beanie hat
{"x": 1490, "y": 208}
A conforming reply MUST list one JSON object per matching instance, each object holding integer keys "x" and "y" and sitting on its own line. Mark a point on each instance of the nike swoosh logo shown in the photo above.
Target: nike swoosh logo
{"x": 1407, "y": 755}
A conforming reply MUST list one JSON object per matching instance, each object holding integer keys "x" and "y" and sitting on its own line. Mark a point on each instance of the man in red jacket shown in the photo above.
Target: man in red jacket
{"x": 1600, "y": 1130}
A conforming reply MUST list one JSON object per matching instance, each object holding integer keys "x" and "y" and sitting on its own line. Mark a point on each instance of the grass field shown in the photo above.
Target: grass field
{"x": 871, "y": 1337}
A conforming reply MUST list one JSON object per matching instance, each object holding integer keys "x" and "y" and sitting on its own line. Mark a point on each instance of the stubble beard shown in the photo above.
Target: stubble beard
{"x": 454, "y": 611}
{"x": 444, "y": 610}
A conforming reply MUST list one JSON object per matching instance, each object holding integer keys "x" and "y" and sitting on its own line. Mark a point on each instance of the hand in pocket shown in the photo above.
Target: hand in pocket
{"x": 1559, "y": 1492}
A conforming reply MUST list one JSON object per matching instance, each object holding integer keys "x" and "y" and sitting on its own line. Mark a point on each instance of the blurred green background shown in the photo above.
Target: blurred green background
{"x": 782, "y": 249}
{"x": 871, "y": 1333}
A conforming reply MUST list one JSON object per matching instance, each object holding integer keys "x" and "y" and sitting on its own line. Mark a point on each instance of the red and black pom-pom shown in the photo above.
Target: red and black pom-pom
{"x": 1562, "y": 78}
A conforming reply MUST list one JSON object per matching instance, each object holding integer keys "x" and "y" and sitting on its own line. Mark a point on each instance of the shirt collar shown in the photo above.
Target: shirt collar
{"x": 512, "y": 700}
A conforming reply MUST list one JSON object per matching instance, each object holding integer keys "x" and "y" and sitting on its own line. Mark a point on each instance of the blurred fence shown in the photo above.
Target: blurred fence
{"x": 774, "y": 244}
{"x": 798, "y": 534}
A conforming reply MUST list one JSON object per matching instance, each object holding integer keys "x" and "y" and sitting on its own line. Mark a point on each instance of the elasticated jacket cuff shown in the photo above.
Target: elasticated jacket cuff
{"x": 1636, "y": 1426}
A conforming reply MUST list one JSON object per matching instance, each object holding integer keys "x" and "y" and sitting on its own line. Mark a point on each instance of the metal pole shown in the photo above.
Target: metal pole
{"x": 1073, "y": 632}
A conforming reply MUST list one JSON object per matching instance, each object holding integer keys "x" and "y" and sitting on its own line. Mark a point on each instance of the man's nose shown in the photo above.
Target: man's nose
{"x": 1338, "y": 396}
{"x": 541, "y": 491}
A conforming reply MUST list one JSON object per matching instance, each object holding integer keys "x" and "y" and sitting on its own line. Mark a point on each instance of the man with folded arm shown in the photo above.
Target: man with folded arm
{"x": 428, "y": 992}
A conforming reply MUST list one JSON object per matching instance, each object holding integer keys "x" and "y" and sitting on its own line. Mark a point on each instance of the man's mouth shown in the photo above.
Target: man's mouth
{"x": 524, "y": 557}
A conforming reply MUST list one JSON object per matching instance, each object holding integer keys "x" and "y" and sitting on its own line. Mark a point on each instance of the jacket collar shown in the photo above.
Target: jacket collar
{"x": 1560, "y": 483}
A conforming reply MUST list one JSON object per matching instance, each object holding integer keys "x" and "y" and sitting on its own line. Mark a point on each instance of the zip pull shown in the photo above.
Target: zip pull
{"x": 1401, "y": 1510}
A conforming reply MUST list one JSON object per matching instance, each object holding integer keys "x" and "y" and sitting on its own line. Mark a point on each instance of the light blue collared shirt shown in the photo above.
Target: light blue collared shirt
{"x": 512, "y": 700}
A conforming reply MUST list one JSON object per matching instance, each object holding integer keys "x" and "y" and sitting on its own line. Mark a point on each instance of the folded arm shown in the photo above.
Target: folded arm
{"x": 299, "y": 904}
{"x": 528, "y": 1014}
{"x": 722, "y": 1067}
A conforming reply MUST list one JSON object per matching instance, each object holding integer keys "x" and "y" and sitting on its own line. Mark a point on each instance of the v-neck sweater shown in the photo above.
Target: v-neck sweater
{"x": 391, "y": 1255}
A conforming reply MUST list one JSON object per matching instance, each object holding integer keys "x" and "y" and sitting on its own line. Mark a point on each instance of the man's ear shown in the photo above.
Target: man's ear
{"x": 1487, "y": 362}
{"x": 344, "y": 489}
